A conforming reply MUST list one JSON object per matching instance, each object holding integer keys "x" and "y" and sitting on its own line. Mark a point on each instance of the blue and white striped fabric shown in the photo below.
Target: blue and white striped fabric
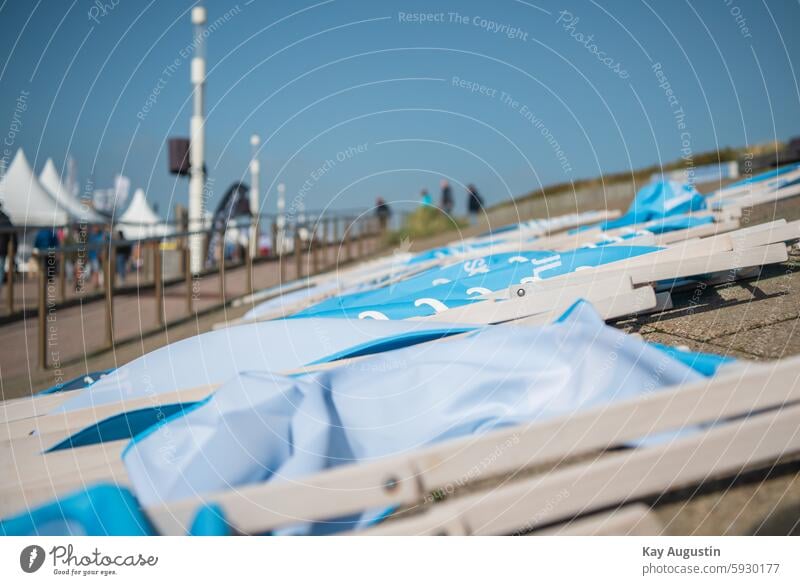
{"x": 263, "y": 427}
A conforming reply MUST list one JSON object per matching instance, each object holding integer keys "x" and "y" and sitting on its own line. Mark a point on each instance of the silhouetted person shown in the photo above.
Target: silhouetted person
{"x": 447, "y": 198}
{"x": 425, "y": 198}
{"x": 46, "y": 241}
{"x": 474, "y": 203}
{"x": 123, "y": 256}
{"x": 6, "y": 237}
{"x": 383, "y": 212}
{"x": 96, "y": 237}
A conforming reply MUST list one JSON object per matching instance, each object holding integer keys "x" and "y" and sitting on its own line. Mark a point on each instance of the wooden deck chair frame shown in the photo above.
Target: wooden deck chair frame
{"x": 409, "y": 478}
{"x": 374, "y": 270}
{"x": 736, "y": 194}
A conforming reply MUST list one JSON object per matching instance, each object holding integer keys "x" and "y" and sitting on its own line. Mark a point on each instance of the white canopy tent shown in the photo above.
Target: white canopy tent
{"x": 24, "y": 198}
{"x": 139, "y": 220}
{"x": 51, "y": 181}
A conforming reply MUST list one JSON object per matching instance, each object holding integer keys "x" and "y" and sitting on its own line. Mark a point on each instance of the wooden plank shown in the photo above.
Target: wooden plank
{"x": 632, "y": 520}
{"x": 407, "y": 478}
{"x": 606, "y": 481}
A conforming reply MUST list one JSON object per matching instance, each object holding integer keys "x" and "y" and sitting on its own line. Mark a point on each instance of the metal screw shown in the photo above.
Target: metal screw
{"x": 520, "y": 292}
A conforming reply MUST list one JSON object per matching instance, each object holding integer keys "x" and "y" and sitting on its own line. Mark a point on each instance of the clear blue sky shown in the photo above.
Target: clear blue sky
{"x": 316, "y": 79}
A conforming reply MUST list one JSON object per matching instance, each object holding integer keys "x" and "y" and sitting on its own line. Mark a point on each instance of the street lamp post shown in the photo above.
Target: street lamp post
{"x": 281, "y": 220}
{"x": 197, "y": 142}
{"x": 255, "y": 204}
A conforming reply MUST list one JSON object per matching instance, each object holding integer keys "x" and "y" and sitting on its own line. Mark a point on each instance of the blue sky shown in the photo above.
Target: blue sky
{"x": 551, "y": 91}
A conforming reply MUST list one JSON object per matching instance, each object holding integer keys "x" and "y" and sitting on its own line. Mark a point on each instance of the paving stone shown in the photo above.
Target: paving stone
{"x": 771, "y": 341}
{"x": 695, "y": 345}
{"x": 706, "y": 313}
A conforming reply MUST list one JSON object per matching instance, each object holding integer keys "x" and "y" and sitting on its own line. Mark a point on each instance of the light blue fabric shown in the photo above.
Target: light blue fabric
{"x": 463, "y": 283}
{"x": 213, "y": 357}
{"x": 264, "y": 427}
{"x": 284, "y": 302}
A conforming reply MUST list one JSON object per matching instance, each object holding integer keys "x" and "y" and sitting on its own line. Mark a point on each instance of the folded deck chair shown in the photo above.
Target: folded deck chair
{"x": 96, "y": 423}
{"x": 704, "y": 438}
{"x": 771, "y": 185}
{"x": 387, "y": 270}
{"x": 495, "y": 378}
{"x": 682, "y": 228}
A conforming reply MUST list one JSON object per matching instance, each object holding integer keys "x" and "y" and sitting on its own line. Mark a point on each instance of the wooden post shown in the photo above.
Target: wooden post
{"x": 281, "y": 266}
{"x": 337, "y": 238}
{"x": 248, "y": 266}
{"x": 10, "y": 274}
{"x": 222, "y": 266}
{"x": 348, "y": 238}
{"x": 108, "y": 271}
{"x": 275, "y": 251}
{"x": 62, "y": 278}
{"x": 298, "y": 253}
{"x": 112, "y": 261}
{"x": 187, "y": 274}
{"x": 158, "y": 283}
{"x": 315, "y": 248}
{"x": 42, "y": 310}
{"x": 324, "y": 241}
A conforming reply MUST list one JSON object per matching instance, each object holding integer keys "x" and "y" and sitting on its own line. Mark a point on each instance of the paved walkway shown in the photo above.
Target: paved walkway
{"x": 77, "y": 334}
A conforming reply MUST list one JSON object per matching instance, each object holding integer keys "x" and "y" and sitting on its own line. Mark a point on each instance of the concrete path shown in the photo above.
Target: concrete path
{"x": 77, "y": 334}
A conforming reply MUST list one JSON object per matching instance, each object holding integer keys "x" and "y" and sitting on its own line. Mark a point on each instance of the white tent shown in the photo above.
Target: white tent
{"x": 77, "y": 211}
{"x": 25, "y": 200}
{"x": 139, "y": 220}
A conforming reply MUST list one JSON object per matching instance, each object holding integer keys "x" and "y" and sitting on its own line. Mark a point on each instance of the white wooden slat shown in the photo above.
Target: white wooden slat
{"x": 406, "y": 479}
{"x": 725, "y": 449}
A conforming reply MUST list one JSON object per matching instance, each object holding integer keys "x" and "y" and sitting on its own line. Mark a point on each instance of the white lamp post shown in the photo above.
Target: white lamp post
{"x": 197, "y": 142}
{"x": 281, "y": 220}
{"x": 255, "y": 204}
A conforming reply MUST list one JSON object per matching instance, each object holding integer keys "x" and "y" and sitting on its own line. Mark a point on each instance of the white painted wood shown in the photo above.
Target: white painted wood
{"x": 660, "y": 270}
{"x": 519, "y": 306}
{"x": 631, "y": 520}
{"x": 406, "y": 479}
{"x": 608, "y": 480}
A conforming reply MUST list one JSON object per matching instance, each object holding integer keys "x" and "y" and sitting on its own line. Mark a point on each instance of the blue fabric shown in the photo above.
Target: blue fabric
{"x": 773, "y": 174}
{"x": 676, "y": 223}
{"x": 122, "y": 426}
{"x": 705, "y": 363}
{"x": 263, "y": 427}
{"x": 655, "y": 201}
{"x": 103, "y": 510}
{"x": 463, "y": 283}
{"x": 209, "y": 521}
{"x": 46, "y": 238}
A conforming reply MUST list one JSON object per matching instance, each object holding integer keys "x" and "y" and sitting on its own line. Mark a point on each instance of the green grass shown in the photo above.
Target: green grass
{"x": 424, "y": 222}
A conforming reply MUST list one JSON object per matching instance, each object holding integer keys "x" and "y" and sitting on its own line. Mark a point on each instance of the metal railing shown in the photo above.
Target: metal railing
{"x": 163, "y": 261}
